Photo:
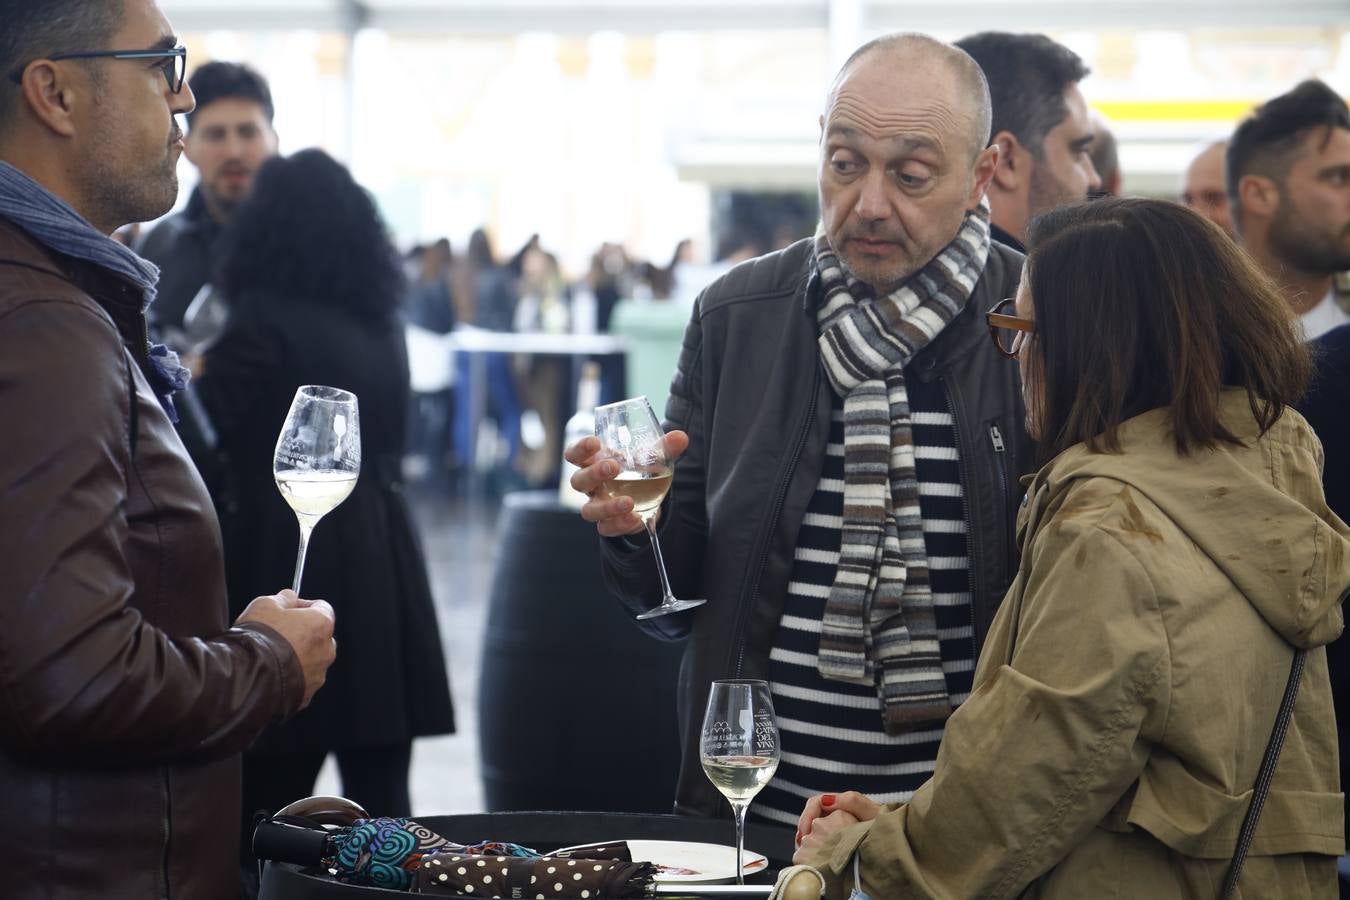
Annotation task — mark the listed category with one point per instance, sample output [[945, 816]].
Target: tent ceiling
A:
[[585, 16]]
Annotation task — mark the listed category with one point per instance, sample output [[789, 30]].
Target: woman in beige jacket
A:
[[1176, 549]]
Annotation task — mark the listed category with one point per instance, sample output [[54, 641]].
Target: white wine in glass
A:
[[630, 433], [318, 458], [739, 747]]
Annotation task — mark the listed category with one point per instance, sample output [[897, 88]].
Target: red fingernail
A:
[[827, 800]]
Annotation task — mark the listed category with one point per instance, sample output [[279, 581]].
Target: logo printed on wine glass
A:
[[766, 733]]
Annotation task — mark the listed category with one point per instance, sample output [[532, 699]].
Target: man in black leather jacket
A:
[[904, 164]]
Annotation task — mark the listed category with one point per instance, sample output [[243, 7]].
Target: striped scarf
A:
[[880, 626]]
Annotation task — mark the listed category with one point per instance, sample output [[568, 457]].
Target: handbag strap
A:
[[1265, 776]]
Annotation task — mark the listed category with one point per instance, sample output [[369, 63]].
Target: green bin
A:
[[654, 329]]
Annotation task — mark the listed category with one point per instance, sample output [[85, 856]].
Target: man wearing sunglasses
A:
[[125, 694]]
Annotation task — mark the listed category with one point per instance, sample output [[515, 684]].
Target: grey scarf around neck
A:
[[56, 225]]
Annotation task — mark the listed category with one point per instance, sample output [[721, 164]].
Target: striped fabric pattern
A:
[[832, 733], [879, 626]]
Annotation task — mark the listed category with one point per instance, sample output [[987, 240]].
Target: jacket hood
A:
[[1256, 510]]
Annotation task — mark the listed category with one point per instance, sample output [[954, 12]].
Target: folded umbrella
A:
[[401, 854]]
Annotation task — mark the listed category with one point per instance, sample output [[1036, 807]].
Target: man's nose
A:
[[1094, 177], [873, 200], [182, 102]]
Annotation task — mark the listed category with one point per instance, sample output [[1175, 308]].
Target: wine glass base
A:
[[675, 606]]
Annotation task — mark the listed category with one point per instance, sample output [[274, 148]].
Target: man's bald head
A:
[[924, 57], [1204, 188]]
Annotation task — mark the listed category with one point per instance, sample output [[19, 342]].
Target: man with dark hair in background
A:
[[1203, 188], [1041, 127], [125, 694], [1288, 180], [1288, 174], [229, 137]]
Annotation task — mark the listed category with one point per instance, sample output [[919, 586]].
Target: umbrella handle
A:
[[282, 842]]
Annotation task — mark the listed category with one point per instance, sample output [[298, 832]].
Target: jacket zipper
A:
[[996, 437], [780, 496], [972, 532]]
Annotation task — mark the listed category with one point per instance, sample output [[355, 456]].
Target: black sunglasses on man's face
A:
[[174, 67]]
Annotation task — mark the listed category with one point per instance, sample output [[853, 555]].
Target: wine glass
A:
[[739, 747], [318, 457], [630, 433]]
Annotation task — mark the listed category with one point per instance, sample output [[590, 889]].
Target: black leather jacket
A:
[[751, 393]]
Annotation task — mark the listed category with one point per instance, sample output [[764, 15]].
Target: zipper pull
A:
[[997, 437]]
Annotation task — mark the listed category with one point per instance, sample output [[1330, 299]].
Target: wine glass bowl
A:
[[630, 434], [739, 747], [317, 458]]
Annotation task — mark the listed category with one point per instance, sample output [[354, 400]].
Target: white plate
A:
[[699, 863]]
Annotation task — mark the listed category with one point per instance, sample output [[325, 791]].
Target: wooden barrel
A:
[[576, 706]]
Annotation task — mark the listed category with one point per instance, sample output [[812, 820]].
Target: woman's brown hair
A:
[[1143, 304]]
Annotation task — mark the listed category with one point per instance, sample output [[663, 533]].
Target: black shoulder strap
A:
[[1265, 776]]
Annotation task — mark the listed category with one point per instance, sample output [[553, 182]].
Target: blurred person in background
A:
[[125, 693], [1288, 179], [1041, 127], [543, 305], [773, 407], [485, 294], [1177, 551], [1204, 189], [1105, 159], [229, 137], [314, 285], [430, 305]]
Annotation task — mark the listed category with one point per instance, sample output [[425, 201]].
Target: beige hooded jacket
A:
[[1129, 685]]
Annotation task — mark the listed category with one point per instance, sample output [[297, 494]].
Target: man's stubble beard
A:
[[119, 197], [1047, 192], [1305, 249]]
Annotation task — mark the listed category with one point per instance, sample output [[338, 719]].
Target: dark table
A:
[[545, 831]]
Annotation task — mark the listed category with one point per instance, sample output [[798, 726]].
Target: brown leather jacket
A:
[[124, 694]]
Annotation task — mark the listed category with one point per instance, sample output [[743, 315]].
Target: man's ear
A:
[[52, 96], [986, 164], [1258, 195], [1013, 162]]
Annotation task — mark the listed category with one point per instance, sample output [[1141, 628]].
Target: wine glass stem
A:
[[305, 529], [738, 810], [650, 522]]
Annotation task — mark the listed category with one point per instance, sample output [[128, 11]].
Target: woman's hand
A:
[[809, 846], [827, 813]]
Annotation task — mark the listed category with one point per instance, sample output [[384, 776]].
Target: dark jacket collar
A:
[[1004, 237]]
